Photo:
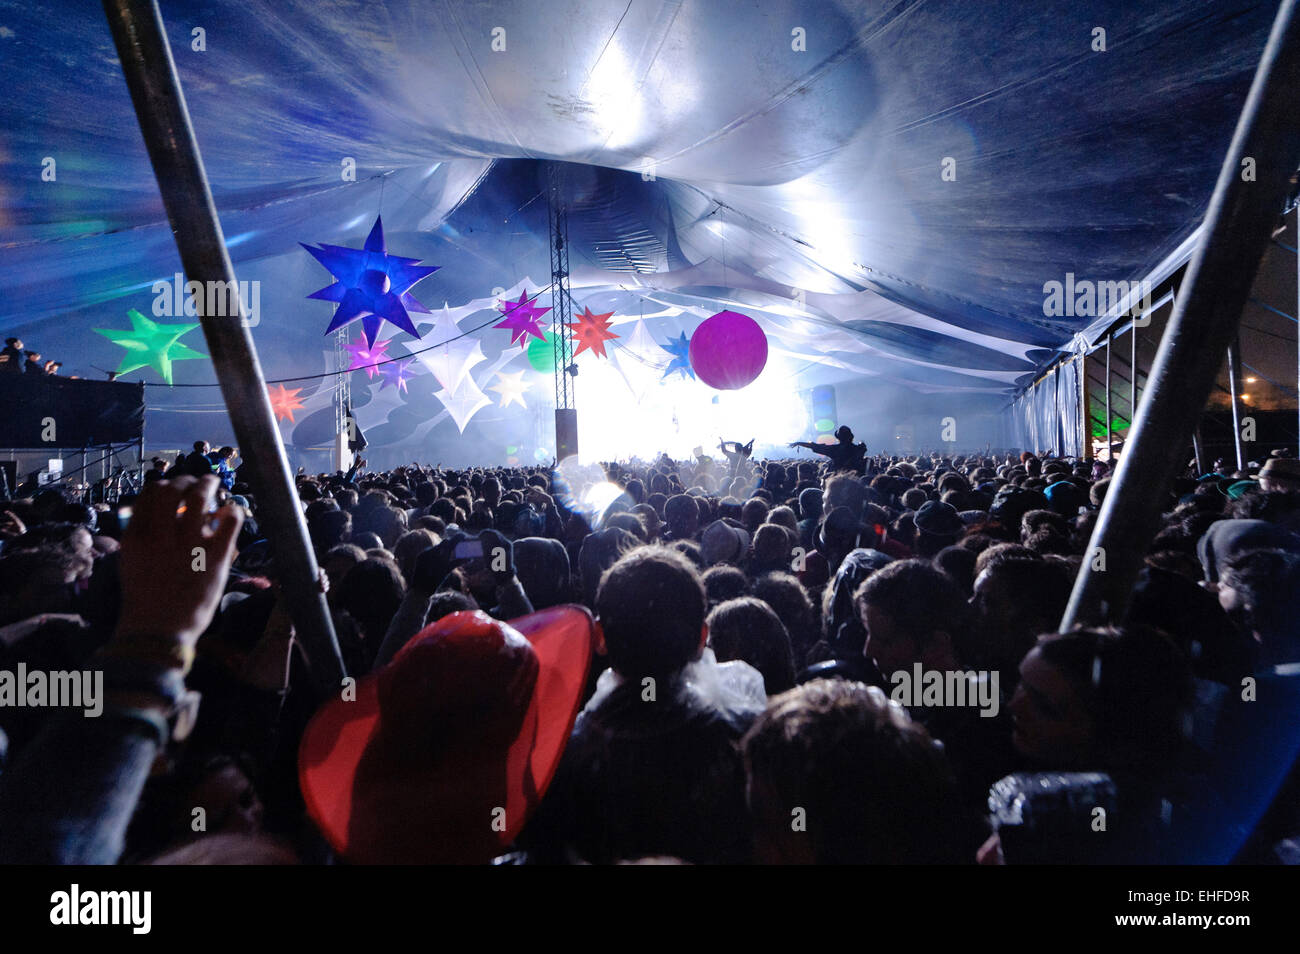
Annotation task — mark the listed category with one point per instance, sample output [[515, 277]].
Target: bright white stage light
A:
[[634, 414], [599, 496]]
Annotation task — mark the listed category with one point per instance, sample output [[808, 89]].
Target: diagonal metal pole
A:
[[160, 108], [1237, 228]]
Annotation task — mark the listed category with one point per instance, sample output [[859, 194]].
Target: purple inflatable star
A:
[[521, 318], [370, 284], [365, 356], [680, 349], [395, 373]]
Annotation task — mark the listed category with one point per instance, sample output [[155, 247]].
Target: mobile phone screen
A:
[[468, 550]]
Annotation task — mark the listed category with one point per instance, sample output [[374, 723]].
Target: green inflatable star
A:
[[149, 344]]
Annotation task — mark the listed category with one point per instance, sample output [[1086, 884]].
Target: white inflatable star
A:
[[511, 387]]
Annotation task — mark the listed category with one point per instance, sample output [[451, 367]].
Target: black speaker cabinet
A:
[[566, 433]]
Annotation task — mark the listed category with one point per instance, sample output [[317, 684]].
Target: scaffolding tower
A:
[[342, 401], [566, 401]]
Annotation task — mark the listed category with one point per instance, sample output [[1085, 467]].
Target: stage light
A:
[[636, 414], [597, 498]]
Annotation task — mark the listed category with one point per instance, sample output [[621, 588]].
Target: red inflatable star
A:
[[521, 318], [284, 401], [592, 331]]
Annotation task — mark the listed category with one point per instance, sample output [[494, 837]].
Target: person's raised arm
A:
[[72, 791], [512, 600], [547, 505], [815, 448], [431, 568]]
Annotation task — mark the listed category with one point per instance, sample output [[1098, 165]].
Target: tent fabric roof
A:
[[719, 166]]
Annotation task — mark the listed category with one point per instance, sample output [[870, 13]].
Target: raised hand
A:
[[176, 555], [499, 554], [10, 525]]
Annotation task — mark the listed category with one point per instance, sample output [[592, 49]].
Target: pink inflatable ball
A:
[[728, 351]]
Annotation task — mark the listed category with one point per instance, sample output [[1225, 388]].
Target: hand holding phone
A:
[[470, 548]]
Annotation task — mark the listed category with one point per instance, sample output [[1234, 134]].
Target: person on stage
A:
[[844, 455]]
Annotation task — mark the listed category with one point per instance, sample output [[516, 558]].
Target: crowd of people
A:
[[200, 462], [14, 360], [698, 661]]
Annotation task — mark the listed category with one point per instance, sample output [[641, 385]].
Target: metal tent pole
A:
[[1234, 386], [160, 108], [1110, 434], [1218, 281], [1133, 379], [1057, 424], [1085, 417], [144, 410]]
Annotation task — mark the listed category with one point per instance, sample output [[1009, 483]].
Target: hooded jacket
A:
[[655, 778]]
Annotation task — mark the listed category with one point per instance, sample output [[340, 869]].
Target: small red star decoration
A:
[[284, 401], [592, 331]]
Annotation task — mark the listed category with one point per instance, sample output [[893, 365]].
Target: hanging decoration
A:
[[522, 318], [451, 360], [284, 401], [728, 351], [592, 331], [396, 373], [641, 346], [639, 361], [462, 405], [370, 285], [511, 387], [151, 345], [366, 356], [680, 349], [541, 354]]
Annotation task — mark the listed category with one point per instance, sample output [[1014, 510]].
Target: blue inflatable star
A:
[[680, 349], [370, 284]]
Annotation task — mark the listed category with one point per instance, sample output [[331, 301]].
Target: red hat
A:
[[446, 751]]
